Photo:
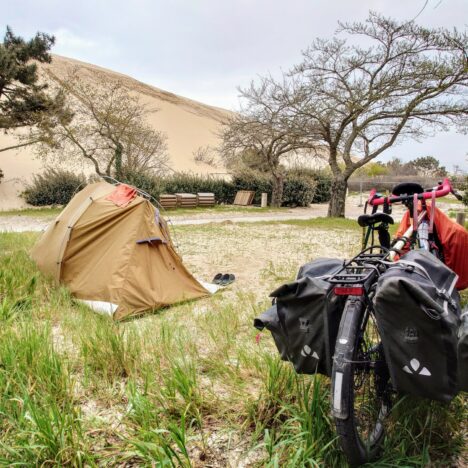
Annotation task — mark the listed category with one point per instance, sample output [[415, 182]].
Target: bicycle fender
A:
[[345, 342]]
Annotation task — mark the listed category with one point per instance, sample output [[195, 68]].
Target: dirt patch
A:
[[259, 253]]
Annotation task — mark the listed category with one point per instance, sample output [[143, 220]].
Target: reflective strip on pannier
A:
[[417, 309], [305, 318]]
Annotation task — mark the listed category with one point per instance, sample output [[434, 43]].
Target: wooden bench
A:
[[206, 199], [186, 200], [167, 200]]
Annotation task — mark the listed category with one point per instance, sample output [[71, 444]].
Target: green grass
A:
[[190, 385], [33, 212], [452, 212], [223, 209], [217, 209], [324, 223], [451, 201]]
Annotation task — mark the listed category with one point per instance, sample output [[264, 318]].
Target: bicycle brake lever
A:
[[457, 195]]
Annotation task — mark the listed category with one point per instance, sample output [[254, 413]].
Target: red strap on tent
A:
[[415, 212], [431, 221], [122, 195]]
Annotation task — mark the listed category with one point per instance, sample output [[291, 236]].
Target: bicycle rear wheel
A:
[[360, 381]]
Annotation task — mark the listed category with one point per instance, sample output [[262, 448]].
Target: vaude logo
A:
[[307, 352], [416, 368], [411, 335], [304, 324]]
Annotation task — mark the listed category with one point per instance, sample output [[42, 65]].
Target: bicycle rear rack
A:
[[363, 268]]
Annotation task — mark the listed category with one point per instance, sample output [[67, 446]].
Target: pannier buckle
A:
[[450, 301]]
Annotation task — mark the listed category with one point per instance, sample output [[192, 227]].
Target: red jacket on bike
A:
[[454, 240]]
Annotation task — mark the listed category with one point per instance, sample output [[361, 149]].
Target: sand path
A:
[[23, 223]]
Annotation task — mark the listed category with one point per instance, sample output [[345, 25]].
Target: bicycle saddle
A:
[[407, 188], [371, 219]]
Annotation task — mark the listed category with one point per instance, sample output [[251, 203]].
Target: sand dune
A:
[[188, 125]]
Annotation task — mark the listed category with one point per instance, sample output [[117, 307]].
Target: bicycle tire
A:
[[348, 364]]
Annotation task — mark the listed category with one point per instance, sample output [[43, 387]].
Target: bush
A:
[[180, 183], [188, 183], [53, 187], [464, 186], [57, 187], [321, 179], [298, 190], [255, 181], [142, 180], [323, 182]]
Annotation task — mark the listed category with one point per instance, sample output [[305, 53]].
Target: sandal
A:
[[217, 278], [227, 279]]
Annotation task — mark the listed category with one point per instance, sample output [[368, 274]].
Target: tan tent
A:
[[111, 245]]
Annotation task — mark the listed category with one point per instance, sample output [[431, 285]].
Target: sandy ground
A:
[[257, 254], [21, 223]]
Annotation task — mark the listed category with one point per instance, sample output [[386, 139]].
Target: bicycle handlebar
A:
[[443, 189]]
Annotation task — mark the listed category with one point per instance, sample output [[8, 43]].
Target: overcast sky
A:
[[205, 49]]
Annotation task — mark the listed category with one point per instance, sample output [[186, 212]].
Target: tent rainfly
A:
[[111, 247]]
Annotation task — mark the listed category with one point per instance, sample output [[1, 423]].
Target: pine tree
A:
[[24, 101]]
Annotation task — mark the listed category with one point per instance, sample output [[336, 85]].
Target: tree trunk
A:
[[118, 161], [277, 195], [336, 208]]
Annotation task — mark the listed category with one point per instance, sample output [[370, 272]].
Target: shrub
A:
[[142, 180], [181, 182], [255, 181], [53, 187], [464, 187], [298, 190], [322, 180], [189, 183]]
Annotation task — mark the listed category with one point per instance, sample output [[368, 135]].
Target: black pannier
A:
[[305, 317], [462, 352], [417, 309]]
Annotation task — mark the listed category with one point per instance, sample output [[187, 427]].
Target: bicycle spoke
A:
[[367, 401]]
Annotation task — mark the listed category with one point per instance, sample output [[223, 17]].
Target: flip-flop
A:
[[227, 279], [217, 278]]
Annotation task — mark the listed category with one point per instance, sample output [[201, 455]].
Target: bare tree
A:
[[262, 129], [106, 126], [146, 150], [357, 101]]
